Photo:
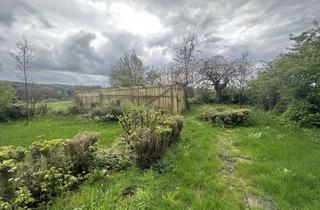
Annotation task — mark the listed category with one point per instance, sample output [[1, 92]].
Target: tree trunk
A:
[[218, 94], [240, 98], [185, 89], [26, 91]]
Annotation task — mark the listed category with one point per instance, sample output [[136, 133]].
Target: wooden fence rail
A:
[[167, 97]]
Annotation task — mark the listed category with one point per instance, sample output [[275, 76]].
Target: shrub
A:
[[42, 109], [106, 113], [32, 178], [303, 113], [12, 111], [225, 116], [74, 109], [149, 133], [117, 157]]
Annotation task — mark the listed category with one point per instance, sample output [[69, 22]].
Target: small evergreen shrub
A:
[[226, 117], [149, 133]]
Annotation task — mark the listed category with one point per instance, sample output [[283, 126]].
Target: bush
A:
[[149, 133], [74, 109], [117, 157], [13, 111], [42, 109], [224, 116], [32, 178], [303, 113], [106, 113]]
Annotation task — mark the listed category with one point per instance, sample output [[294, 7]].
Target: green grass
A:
[[19, 134], [283, 168], [59, 105]]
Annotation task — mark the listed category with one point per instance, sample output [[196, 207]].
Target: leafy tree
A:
[[127, 71], [217, 72], [293, 78], [153, 77], [7, 96]]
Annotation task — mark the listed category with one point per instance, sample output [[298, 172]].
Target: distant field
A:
[[18, 134], [59, 105]]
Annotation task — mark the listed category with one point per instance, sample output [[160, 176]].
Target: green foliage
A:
[[32, 178], [118, 156], [224, 116], [304, 113], [74, 109], [292, 80], [8, 108], [107, 113], [7, 96], [42, 109], [149, 133]]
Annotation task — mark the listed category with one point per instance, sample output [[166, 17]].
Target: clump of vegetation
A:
[[303, 113], [225, 116], [33, 178], [118, 156], [106, 113], [149, 133]]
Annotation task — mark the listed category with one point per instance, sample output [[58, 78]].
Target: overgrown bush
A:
[[149, 133], [42, 109], [117, 157], [12, 111], [226, 117], [106, 113], [74, 109], [29, 179], [303, 113]]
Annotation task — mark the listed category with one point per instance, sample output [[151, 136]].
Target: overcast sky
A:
[[76, 40]]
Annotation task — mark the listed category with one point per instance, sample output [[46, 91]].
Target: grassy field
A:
[[263, 166], [19, 134], [59, 105]]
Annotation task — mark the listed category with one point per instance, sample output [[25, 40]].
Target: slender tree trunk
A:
[[240, 99], [185, 89], [240, 96], [26, 90]]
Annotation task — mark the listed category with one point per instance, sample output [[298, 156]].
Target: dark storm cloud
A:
[[79, 37]]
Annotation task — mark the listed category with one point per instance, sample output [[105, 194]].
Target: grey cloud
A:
[[226, 27], [13, 10]]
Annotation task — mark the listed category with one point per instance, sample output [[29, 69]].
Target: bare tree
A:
[[186, 59], [243, 73], [23, 55], [217, 72]]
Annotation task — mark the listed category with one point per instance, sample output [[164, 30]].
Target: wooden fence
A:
[[167, 97]]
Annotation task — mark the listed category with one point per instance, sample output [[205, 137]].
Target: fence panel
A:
[[167, 97]]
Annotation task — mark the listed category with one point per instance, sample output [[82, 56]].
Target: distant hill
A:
[[49, 92]]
